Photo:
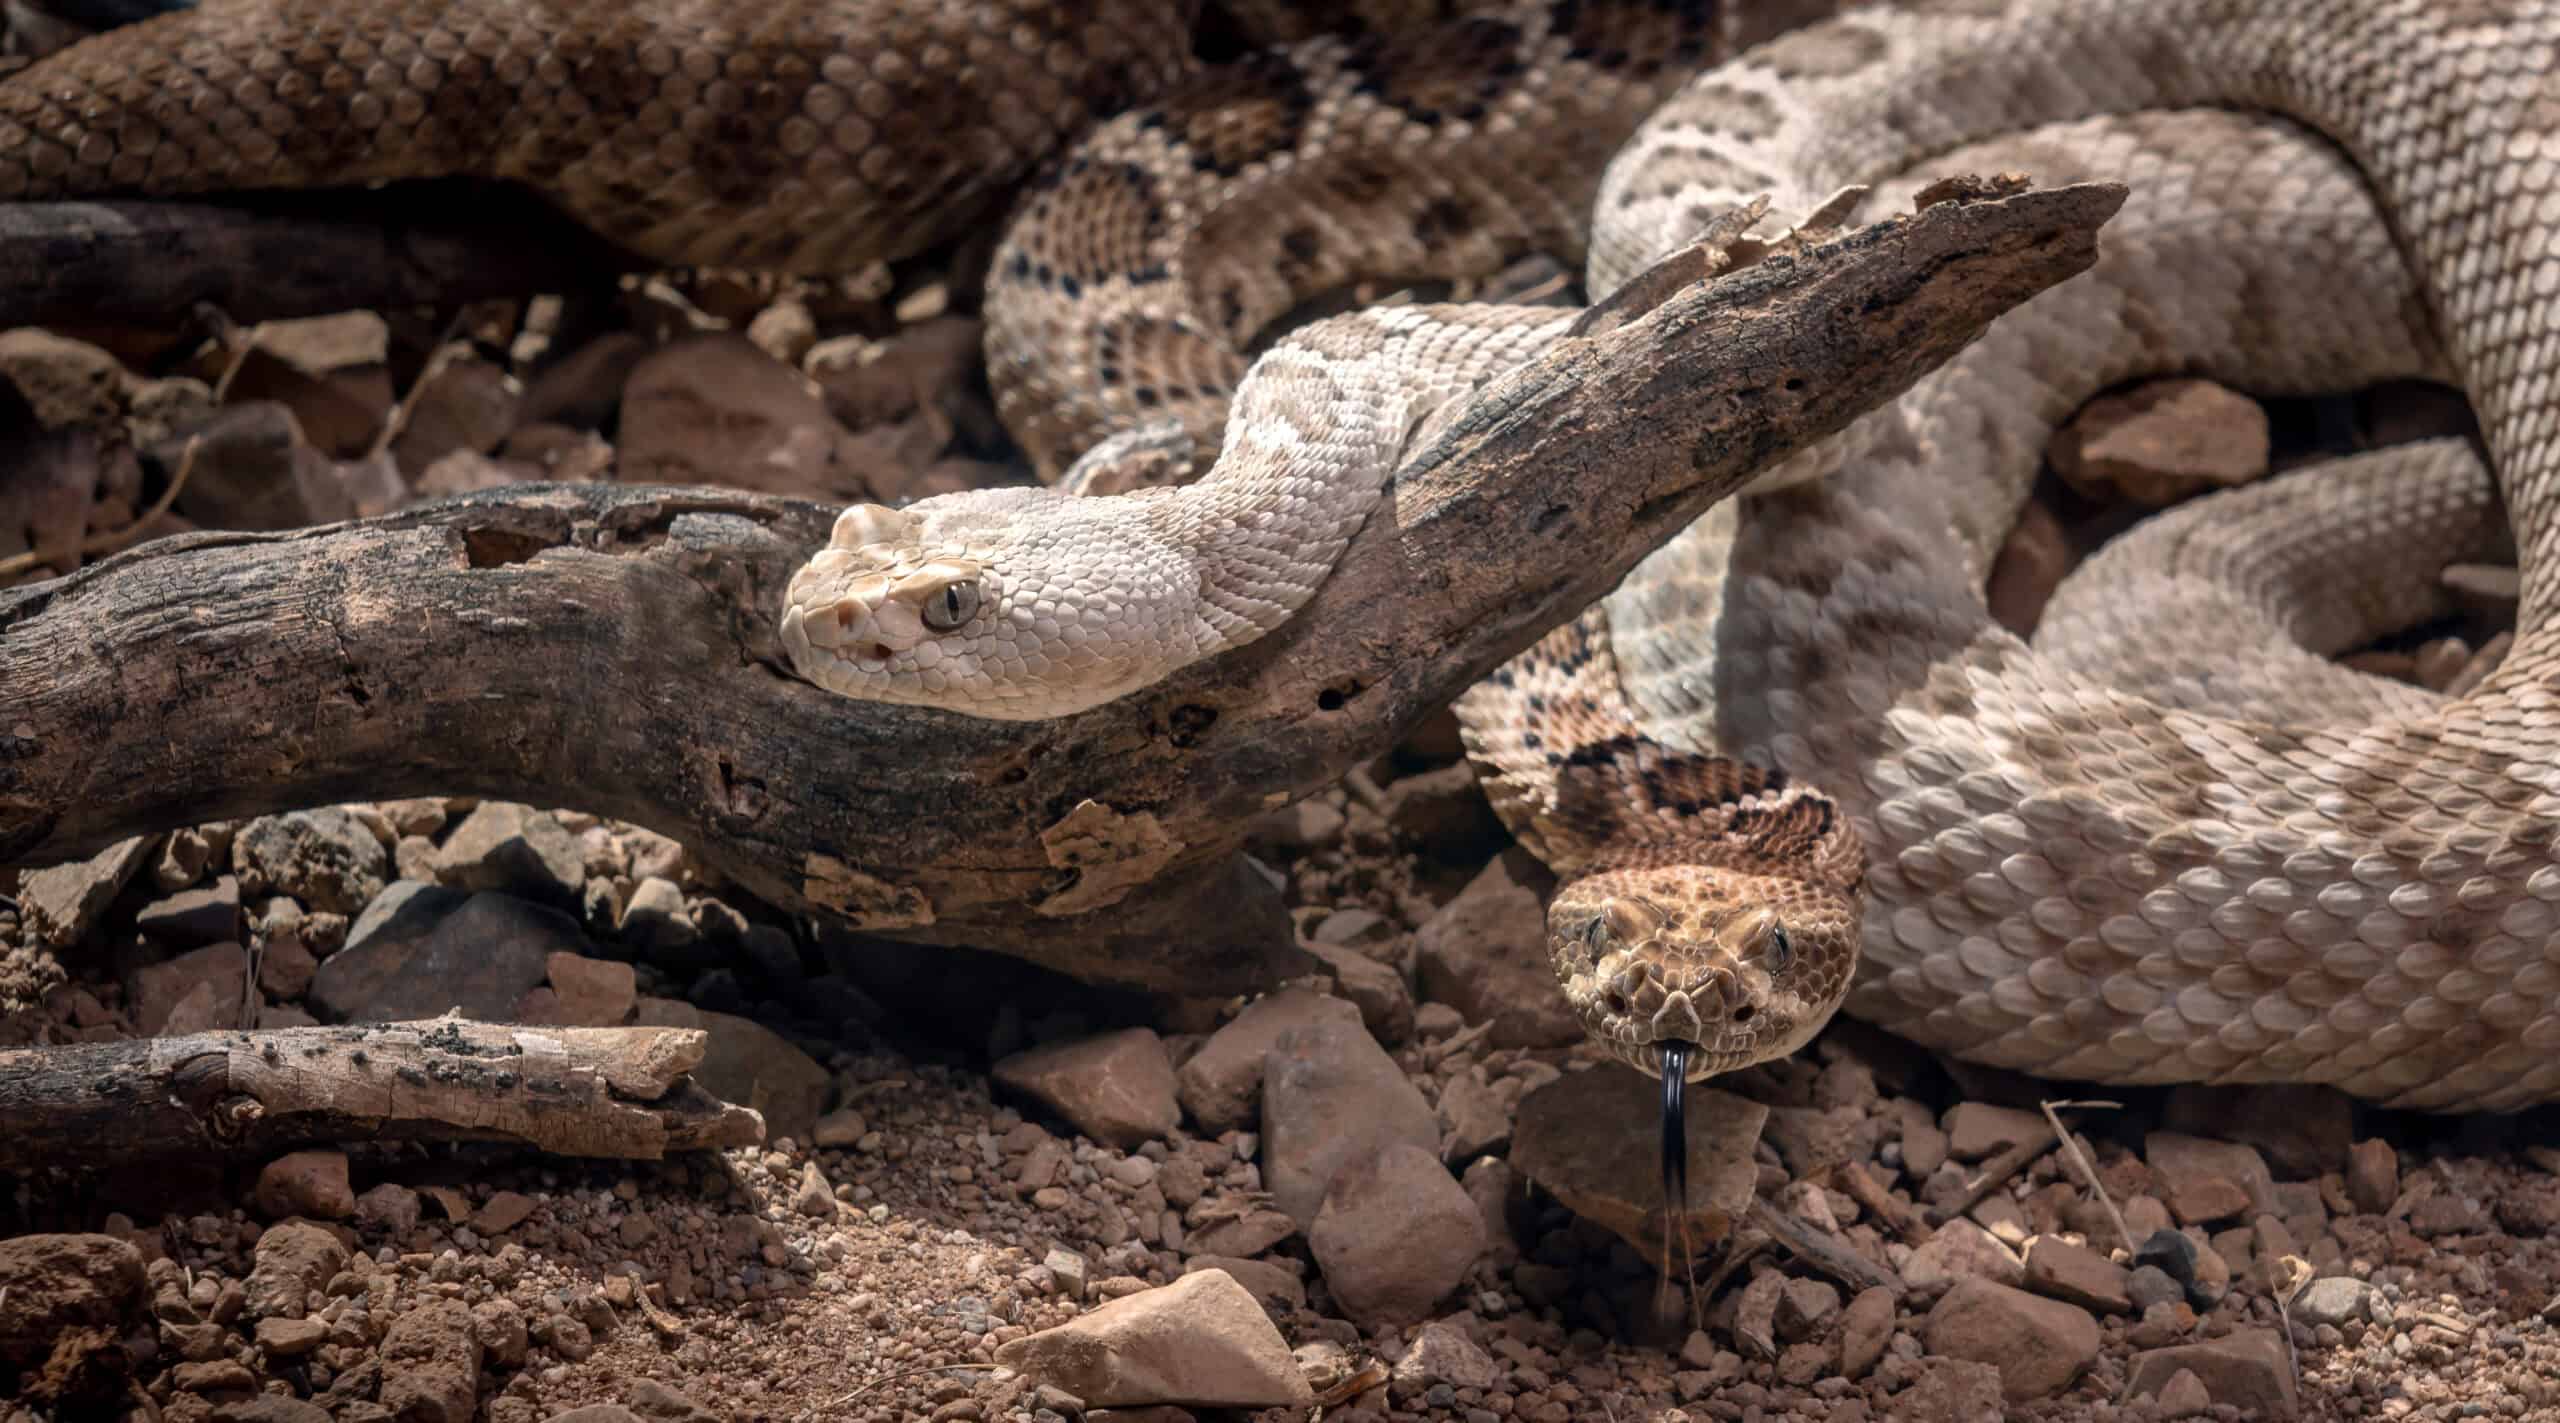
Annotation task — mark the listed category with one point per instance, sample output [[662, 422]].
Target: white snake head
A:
[[1736, 967], [1011, 604]]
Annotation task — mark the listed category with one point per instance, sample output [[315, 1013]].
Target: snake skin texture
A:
[[2078, 864], [2067, 876]]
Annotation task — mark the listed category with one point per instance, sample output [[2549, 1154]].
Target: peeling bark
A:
[[612, 647], [612, 1092]]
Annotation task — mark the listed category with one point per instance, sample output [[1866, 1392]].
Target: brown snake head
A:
[[1740, 963]]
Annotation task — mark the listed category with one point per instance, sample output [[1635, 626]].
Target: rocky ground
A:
[[1400, 1188]]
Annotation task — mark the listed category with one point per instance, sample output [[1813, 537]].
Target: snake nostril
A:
[[879, 652], [1617, 1004], [1742, 1014]]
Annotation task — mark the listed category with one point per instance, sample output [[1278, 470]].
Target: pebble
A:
[[2246, 1369], [1201, 1341], [1485, 955], [305, 1183], [2039, 1345], [1117, 1088], [1331, 1096], [1395, 1235], [1221, 1084]]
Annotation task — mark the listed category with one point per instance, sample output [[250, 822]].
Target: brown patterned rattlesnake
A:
[[2069, 869]]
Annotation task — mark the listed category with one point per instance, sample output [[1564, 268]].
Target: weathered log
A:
[[266, 256], [612, 647], [617, 1092]]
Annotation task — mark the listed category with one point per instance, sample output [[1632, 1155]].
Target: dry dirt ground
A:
[[1397, 1189]]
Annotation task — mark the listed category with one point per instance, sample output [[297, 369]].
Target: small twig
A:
[[1824, 1250], [109, 540], [2089, 1173], [1871, 1195], [1995, 1173]]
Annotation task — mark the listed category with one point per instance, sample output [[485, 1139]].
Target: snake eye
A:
[[953, 606], [1595, 933], [1782, 950]]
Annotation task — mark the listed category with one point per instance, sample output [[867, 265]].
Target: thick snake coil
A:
[[2108, 855]]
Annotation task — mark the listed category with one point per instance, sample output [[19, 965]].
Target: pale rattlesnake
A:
[[2064, 876]]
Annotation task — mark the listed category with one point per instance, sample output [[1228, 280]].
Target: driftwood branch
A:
[[622, 1092], [612, 647], [270, 256]]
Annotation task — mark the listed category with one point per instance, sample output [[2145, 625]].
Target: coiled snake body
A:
[[1793, 743]]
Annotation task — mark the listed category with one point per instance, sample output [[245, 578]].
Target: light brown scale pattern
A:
[[814, 135], [1133, 283], [2070, 875], [2065, 874]]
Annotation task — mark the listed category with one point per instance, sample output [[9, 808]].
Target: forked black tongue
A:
[[1675, 1130]]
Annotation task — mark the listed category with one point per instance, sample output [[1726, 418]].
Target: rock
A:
[[431, 1364], [2057, 1268], [752, 1065], [1444, 810], [291, 1338], [1473, 1119], [306, 1183], [2207, 1181], [1376, 989], [66, 1304], [295, 1261], [2039, 1345], [1592, 1139], [2337, 1300], [1977, 1130], [1067, 1267], [2184, 1396], [157, 989], [1805, 1307], [2373, 1175], [1755, 1316], [513, 849], [1441, 1353], [2147, 1285], [436, 949], [1117, 1088], [203, 1010], [2299, 1131], [270, 1408], [389, 1208], [1201, 1341], [1865, 1327], [843, 1127], [2162, 441], [2245, 1369], [1485, 954], [466, 405], [814, 1197], [656, 923], [207, 914], [658, 1403], [326, 859], [2032, 562], [61, 903], [1247, 1234], [1952, 1391], [715, 408], [1924, 1144], [502, 1212], [596, 993], [1395, 1235], [1221, 1084], [1962, 1250], [1331, 1095], [1279, 1288]]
